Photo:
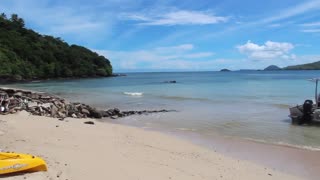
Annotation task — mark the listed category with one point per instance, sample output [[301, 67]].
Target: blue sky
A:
[[186, 35]]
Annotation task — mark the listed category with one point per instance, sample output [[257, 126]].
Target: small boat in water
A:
[[15, 162], [308, 112]]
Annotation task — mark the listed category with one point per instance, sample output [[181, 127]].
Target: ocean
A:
[[251, 105]]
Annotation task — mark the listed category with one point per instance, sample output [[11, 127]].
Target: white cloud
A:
[[270, 50], [274, 25], [311, 30], [179, 48], [180, 17], [311, 24], [171, 57]]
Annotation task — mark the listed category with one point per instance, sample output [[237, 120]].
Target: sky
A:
[[181, 35]]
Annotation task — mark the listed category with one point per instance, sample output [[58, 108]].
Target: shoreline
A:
[[74, 150], [288, 159], [238, 148]]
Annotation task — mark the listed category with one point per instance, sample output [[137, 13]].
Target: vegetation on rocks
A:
[[26, 55]]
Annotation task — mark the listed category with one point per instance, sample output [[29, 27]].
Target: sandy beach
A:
[[74, 150]]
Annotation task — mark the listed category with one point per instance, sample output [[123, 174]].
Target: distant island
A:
[[224, 70], [272, 68], [28, 55], [308, 66]]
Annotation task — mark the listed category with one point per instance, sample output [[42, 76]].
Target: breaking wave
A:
[[133, 93]]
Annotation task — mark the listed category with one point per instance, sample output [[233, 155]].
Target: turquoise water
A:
[[250, 105]]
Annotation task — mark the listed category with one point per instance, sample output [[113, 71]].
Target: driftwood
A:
[[44, 104]]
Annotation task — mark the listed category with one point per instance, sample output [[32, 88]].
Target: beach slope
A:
[[74, 150]]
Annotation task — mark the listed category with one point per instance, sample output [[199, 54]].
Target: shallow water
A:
[[251, 105]]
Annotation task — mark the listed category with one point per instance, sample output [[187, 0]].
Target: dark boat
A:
[[309, 111]]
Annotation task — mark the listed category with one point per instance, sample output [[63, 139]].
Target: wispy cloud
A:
[[311, 27], [311, 24], [311, 30], [178, 17], [268, 51], [294, 11], [171, 57]]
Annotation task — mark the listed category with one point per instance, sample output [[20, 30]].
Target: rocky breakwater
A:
[[44, 104]]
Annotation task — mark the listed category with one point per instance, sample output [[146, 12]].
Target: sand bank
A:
[[74, 150]]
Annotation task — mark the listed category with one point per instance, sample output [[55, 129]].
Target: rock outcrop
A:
[[44, 104]]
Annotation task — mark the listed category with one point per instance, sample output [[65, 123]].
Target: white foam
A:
[[311, 148], [133, 93]]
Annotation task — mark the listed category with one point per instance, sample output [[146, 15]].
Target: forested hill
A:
[[27, 55], [309, 66]]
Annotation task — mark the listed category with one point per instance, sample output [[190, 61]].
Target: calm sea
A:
[[245, 104]]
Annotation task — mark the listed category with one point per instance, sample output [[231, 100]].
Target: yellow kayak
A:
[[14, 162]]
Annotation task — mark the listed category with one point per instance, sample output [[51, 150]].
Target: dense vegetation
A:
[[309, 66], [26, 55]]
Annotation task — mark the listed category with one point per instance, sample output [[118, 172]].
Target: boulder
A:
[[18, 94], [54, 110], [85, 111], [95, 113]]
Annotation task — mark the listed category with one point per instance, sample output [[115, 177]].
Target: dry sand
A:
[[77, 151]]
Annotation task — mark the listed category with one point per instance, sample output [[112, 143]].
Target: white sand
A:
[[77, 151]]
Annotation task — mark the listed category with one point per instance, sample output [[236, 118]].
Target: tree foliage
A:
[[25, 54]]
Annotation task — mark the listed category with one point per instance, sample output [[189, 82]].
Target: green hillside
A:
[[26, 55], [309, 66]]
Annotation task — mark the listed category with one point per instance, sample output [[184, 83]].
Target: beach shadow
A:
[[14, 174]]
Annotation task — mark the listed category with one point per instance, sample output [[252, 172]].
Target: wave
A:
[[285, 144], [133, 93], [182, 98]]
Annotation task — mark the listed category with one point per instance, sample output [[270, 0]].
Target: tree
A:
[[25, 54]]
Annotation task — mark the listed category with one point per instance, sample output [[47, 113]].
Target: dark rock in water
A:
[[89, 122], [118, 75], [272, 68], [171, 82], [224, 70]]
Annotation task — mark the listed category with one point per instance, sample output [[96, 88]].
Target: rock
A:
[[89, 122], [113, 117], [85, 111], [95, 113], [105, 113], [116, 111], [19, 94], [172, 82], [45, 97], [32, 104], [61, 115], [46, 105], [54, 110]]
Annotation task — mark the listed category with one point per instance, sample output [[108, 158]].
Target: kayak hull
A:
[[15, 162]]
